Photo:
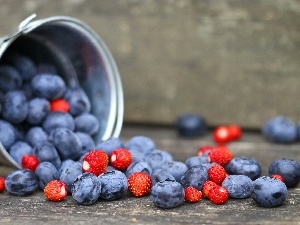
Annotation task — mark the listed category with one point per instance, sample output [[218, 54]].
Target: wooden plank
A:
[[230, 61]]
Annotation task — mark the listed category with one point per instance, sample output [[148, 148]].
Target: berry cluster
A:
[[112, 169], [41, 118], [47, 129]]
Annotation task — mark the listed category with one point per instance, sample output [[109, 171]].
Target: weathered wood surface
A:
[[35, 209], [229, 60]]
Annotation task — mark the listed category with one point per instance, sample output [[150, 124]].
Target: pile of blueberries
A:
[[60, 140]]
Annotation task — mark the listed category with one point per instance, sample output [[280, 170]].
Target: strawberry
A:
[[205, 149], [218, 195], [95, 161], [120, 159], [2, 184], [220, 154], [235, 132], [221, 135], [217, 173], [278, 176], [59, 105], [29, 162], [139, 184], [192, 195], [55, 191], [207, 186]]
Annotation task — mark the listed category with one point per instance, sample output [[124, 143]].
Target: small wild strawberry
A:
[[192, 195], [220, 154], [235, 132], [217, 173], [95, 161], [2, 184], [278, 176], [221, 135], [203, 150], [139, 184], [29, 162], [55, 191], [59, 105], [218, 195], [207, 186], [120, 159]]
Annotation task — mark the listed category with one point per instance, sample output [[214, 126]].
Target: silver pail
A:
[[82, 58]]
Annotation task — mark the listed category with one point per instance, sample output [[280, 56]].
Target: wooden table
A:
[[35, 209]]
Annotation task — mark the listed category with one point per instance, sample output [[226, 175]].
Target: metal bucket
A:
[[81, 57]]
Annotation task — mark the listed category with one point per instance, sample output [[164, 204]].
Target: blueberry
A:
[[191, 125], [176, 168], [64, 164], [38, 109], [158, 158], [138, 167], [244, 166], [269, 192], [289, 170], [24, 65], [20, 130], [142, 144], [113, 185], [167, 194], [87, 142], [137, 156], [86, 189], [36, 135], [46, 68], [49, 86], [69, 173], [46, 152], [238, 186], [21, 182], [58, 119], [280, 129], [196, 161], [15, 107], [195, 176], [10, 79], [46, 172], [160, 174], [20, 149], [78, 100], [67, 143], [86, 123], [110, 145], [7, 134]]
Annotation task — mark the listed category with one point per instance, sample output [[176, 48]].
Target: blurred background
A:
[[231, 61]]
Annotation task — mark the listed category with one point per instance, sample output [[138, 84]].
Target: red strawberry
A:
[[95, 161], [59, 105], [29, 162], [207, 186], [235, 132], [217, 173], [192, 195], [120, 159], [205, 149], [220, 154], [2, 184], [55, 191], [221, 135], [278, 176], [139, 184], [218, 195]]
